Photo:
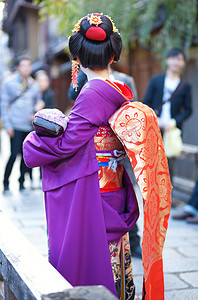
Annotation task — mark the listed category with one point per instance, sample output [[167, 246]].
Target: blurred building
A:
[[5, 53], [5, 56], [27, 36]]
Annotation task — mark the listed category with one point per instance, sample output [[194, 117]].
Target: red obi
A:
[[109, 153]]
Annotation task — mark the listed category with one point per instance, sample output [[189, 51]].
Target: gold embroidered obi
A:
[[109, 153]]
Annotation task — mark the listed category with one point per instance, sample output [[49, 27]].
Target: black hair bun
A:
[[95, 41]]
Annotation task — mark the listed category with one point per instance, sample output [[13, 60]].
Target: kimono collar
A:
[[122, 88], [114, 92]]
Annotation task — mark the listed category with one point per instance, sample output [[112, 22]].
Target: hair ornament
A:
[[75, 71], [96, 33], [114, 27], [94, 19], [77, 26]]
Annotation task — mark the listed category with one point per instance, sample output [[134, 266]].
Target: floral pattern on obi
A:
[[105, 142]]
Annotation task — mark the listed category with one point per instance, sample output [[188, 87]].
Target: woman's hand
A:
[[170, 125], [10, 132], [39, 105]]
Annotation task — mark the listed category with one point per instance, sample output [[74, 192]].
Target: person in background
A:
[[128, 80], [43, 81], [190, 210], [73, 93], [20, 97], [114, 75], [136, 250], [170, 96]]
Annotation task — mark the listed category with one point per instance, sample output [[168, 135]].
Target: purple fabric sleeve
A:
[[65, 158], [46, 150], [90, 111]]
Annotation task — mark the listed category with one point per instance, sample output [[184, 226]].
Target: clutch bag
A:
[[50, 122]]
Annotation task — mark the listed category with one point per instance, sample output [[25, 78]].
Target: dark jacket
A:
[[48, 98], [72, 94], [181, 107]]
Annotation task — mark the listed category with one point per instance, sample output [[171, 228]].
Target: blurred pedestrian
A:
[[114, 75], [170, 96], [43, 81], [128, 80], [19, 97], [190, 210], [72, 92]]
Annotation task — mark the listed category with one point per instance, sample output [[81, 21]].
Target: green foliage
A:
[[135, 19], [180, 26]]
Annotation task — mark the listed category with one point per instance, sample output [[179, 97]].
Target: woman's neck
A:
[[96, 73]]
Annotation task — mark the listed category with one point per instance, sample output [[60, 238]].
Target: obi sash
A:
[[109, 154], [136, 126]]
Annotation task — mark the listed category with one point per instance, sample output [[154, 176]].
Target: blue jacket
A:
[[16, 113]]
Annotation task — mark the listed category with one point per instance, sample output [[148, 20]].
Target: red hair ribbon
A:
[[96, 33]]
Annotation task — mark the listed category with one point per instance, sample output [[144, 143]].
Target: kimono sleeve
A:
[[40, 151]]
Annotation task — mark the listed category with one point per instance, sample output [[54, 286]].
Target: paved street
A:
[[181, 247]]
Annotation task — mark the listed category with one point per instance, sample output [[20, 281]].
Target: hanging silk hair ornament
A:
[[75, 71]]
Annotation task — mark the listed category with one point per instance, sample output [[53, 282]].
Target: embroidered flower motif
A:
[[153, 208], [143, 181], [130, 127], [95, 19], [149, 153], [164, 189]]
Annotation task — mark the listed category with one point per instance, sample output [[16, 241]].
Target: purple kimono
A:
[[81, 221]]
